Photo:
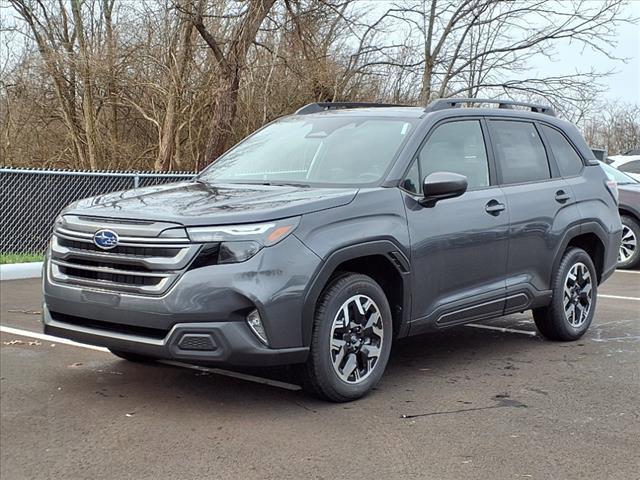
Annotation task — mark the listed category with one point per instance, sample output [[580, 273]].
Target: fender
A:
[[585, 227], [379, 247]]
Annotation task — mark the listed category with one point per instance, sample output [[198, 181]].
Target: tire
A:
[[329, 372], [629, 256], [132, 357], [580, 296]]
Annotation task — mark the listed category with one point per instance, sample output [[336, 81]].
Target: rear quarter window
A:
[[568, 160]]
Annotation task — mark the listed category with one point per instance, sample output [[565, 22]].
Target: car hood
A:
[[197, 203]]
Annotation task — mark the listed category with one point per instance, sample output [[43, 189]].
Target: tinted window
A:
[[520, 151], [631, 167], [457, 147], [412, 182], [568, 160]]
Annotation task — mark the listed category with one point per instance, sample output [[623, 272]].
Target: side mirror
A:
[[440, 185]]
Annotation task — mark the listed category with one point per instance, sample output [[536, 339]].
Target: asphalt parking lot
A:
[[472, 402]]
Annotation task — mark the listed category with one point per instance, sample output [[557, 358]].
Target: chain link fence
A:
[[30, 200]]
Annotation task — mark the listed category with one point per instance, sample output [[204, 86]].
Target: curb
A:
[[17, 271]]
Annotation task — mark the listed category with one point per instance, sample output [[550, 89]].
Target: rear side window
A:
[[569, 162], [519, 151], [457, 147], [630, 167]]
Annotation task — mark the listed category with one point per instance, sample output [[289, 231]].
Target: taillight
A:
[[612, 186]]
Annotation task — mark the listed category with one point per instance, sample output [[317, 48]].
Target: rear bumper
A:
[[611, 255], [218, 343]]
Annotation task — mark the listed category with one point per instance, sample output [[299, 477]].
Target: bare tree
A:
[[170, 84], [230, 55]]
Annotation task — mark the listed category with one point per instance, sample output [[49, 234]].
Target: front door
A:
[[459, 246]]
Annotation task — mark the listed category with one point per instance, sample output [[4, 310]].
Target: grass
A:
[[20, 257]]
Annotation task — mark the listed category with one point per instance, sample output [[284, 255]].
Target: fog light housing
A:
[[255, 323]]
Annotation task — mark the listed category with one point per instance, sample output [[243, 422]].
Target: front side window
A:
[[457, 147], [329, 149], [412, 182], [519, 151], [569, 162]]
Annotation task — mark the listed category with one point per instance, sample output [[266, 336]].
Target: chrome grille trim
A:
[[157, 289], [125, 241], [177, 262], [145, 265], [100, 269]]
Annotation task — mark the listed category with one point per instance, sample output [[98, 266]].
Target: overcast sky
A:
[[624, 85]]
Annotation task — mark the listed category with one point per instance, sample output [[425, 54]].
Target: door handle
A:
[[494, 207], [562, 196]]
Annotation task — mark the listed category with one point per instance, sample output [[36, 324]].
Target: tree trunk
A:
[[168, 132], [429, 22], [223, 115], [88, 110], [111, 82]]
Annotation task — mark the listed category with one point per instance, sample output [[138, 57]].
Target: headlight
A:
[[238, 243], [266, 234]]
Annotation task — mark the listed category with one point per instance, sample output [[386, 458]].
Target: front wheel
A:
[[351, 339], [573, 305]]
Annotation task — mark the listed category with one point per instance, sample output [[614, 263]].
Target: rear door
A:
[[458, 246], [537, 200]]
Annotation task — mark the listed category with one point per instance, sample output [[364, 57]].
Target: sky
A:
[[624, 84]]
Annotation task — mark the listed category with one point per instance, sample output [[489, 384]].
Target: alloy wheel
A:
[[356, 339], [628, 245], [577, 299]]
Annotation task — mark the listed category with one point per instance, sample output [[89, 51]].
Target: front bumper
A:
[[207, 305], [227, 343]]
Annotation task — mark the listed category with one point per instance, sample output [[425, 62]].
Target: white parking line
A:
[[49, 338], [617, 297], [217, 371], [502, 329], [628, 271]]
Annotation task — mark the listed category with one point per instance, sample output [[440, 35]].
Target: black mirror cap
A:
[[441, 185]]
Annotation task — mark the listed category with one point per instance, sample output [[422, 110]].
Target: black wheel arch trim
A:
[[575, 231], [322, 275]]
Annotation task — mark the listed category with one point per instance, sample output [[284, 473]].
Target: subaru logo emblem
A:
[[106, 239]]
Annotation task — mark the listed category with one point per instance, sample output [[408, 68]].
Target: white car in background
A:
[[628, 163]]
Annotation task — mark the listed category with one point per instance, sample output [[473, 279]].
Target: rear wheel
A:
[[573, 303], [351, 339], [132, 357], [629, 254]]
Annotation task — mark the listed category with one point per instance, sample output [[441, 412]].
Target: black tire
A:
[[633, 227], [552, 322], [132, 357], [319, 374]]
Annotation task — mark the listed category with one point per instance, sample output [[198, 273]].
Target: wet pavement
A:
[[470, 402]]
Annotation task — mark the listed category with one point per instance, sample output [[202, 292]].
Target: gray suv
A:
[[328, 234]]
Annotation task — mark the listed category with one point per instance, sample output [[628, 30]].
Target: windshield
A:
[[615, 174], [328, 149]]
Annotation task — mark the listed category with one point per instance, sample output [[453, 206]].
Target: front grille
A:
[[109, 277], [120, 250], [145, 262], [110, 326]]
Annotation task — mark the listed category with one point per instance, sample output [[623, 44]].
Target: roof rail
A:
[[324, 106], [444, 103]]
